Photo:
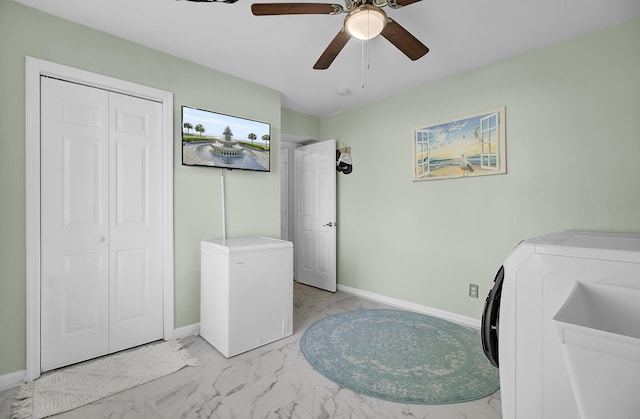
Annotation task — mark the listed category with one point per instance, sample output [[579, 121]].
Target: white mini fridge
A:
[[246, 298]]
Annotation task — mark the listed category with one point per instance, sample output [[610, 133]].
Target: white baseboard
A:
[[13, 379], [188, 330], [453, 317]]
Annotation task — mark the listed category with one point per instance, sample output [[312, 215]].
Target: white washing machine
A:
[[520, 335]]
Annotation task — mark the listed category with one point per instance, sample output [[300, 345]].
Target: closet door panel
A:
[[74, 223], [135, 221]]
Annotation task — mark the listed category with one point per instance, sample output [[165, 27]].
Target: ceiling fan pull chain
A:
[[368, 37], [368, 66], [362, 66]]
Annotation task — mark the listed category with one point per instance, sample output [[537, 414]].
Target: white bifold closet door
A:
[[101, 254]]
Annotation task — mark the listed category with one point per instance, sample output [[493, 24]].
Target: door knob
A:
[[101, 239], [329, 224]]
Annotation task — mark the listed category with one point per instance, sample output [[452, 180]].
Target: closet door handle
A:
[[329, 224], [101, 239]]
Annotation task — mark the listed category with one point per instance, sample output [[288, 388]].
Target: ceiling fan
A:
[[365, 19]]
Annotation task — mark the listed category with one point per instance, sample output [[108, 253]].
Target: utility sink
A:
[[599, 330]]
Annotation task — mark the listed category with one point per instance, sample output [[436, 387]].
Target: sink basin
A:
[[599, 329]]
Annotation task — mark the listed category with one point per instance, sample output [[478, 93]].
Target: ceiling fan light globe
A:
[[365, 22]]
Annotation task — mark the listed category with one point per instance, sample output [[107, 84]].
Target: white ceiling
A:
[[279, 51]]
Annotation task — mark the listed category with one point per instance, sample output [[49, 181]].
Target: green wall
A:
[[253, 206], [300, 125], [573, 146]]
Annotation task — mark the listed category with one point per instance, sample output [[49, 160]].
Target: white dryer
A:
[[520, 335]]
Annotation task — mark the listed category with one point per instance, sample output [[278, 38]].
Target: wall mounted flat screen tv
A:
[[216, 140]]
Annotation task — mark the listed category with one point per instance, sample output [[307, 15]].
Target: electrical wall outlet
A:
[[473, 290]]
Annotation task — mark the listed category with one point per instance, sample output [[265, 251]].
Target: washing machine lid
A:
[[589, 244]]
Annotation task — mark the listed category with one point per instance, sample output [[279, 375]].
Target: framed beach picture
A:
[[472, 145]]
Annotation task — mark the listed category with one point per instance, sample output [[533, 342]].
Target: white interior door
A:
[[284, 194], [316, 215], [135, 221], [101, 278]]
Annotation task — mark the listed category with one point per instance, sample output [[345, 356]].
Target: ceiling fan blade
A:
[[402, 3], [332, 50], [269, 9], [404, 41]]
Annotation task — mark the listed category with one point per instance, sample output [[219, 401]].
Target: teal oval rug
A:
[[400, 356]]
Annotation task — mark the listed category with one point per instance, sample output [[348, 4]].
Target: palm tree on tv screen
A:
[[188, 126], [200, 129]]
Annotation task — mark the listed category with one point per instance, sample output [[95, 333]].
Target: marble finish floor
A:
[[273, 381]]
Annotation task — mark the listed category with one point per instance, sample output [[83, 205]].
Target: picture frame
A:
[[468, 146]]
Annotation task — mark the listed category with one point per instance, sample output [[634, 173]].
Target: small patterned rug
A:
[[400, 356], [69, 388]]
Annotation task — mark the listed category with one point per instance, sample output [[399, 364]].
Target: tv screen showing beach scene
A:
[[216, 140]]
